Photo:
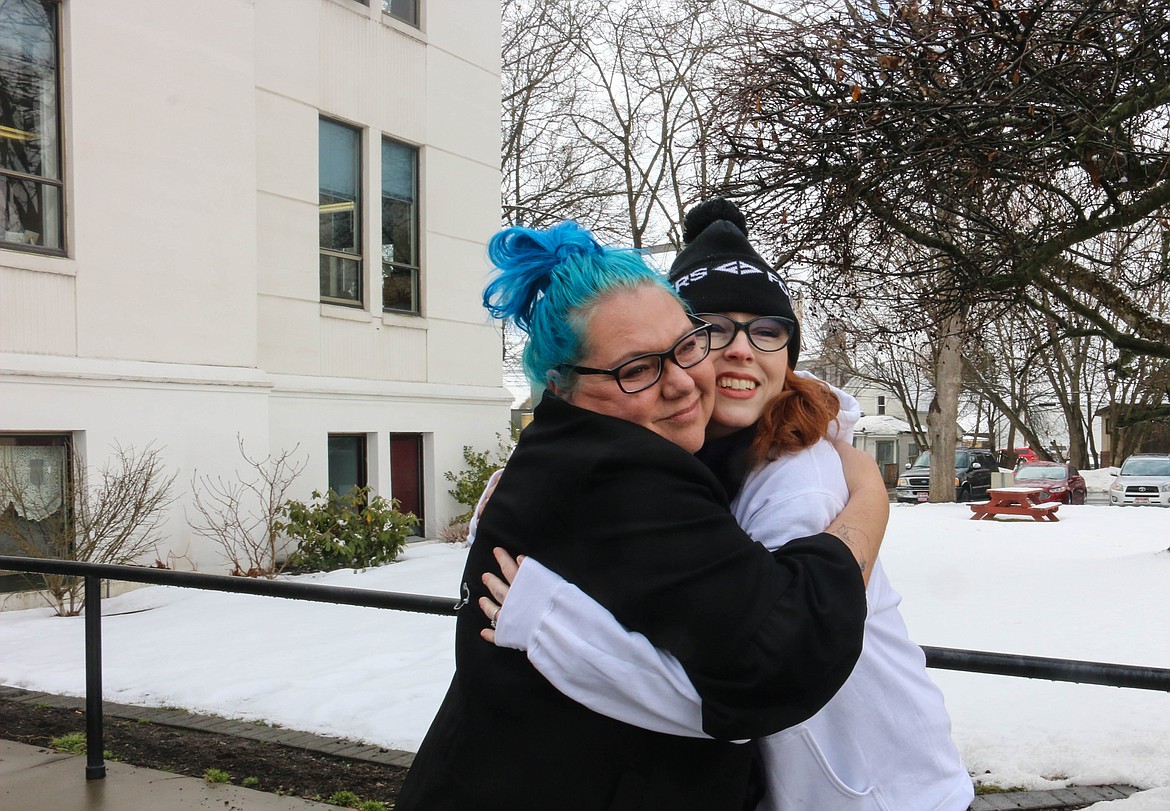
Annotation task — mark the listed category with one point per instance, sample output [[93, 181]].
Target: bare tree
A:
[[607, 111], [998, 139], [113, 515], [959, 154], [242, 515]]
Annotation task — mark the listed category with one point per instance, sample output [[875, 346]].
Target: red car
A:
[[1059, 480], [1010, 457]]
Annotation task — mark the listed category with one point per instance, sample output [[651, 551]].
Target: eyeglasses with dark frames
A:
[[640, 373], [767, 333]]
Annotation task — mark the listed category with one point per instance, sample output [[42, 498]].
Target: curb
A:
[[319, 744], [1063, 799], [1060, 799]]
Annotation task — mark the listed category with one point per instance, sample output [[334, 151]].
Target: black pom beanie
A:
[[720, 271]]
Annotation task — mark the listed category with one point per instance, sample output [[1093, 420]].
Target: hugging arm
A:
[[611, 670], [587, 655], [862, 524]]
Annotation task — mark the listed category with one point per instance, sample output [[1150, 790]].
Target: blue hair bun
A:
[[545, 283], [528, 261]]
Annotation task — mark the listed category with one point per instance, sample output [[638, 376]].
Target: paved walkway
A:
[[34, 778]]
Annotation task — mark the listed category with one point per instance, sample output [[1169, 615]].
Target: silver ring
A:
[[496, 616]]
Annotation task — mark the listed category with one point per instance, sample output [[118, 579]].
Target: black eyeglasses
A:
[[640, 373], [768, 333]]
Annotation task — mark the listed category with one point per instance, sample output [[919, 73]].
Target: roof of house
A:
[[882, 424]]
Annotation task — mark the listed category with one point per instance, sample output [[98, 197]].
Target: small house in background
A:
[[1154, 436], [889, 441]]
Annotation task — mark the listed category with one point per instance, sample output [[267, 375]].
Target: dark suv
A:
[[973, 469]]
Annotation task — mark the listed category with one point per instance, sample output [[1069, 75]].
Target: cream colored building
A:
[[262, 218]]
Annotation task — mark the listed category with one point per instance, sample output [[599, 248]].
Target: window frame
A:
[[416, 8], [357, 216], [42, 439], [363, 461], [414, 270], [41, 180]]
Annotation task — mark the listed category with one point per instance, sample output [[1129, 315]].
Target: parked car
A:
[[1013, 457], [1060, 481], [973, 469], [1144, 479]]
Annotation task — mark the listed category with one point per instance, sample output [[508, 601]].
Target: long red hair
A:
[[795, 419]]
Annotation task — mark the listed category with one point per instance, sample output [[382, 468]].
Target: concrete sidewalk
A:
[[35, 778]]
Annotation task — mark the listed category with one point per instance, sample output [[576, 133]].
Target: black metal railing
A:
[[94, 573], [1002, 664]]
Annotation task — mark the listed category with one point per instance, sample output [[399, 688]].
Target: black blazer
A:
[[644, 528]]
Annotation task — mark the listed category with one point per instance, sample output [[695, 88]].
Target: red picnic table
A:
[[1015, 501]]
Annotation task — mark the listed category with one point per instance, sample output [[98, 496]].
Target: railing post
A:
[[95, 737]]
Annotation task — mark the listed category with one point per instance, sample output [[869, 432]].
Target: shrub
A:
[[470, 482], [242, 515], [217, 776], [455, 532], [351, 531]]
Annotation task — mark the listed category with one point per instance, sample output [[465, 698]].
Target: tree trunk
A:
[[943, 416]]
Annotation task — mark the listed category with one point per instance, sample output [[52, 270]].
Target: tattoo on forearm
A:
[[857, 542]]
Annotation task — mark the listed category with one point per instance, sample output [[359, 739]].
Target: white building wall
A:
[[187, 310]]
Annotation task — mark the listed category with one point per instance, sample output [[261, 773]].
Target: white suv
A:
[[1144, 479]]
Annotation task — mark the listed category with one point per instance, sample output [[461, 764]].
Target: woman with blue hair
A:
[[884, 740], [603, 489]]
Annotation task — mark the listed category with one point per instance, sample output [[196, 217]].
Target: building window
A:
[[347, 462], [404, 10], [884, 452], [31, 190], [340, 210], [881, 404], [34, 493], [400, 263]]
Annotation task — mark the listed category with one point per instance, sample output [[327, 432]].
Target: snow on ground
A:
[[1091, 587]]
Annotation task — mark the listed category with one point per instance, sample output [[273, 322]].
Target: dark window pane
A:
[[28, 90], [398, 232], [405, 10], [340, 278], [399, 288], [31, 213], [400, 257], [347, 462], [339, 225], [34, 492]]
